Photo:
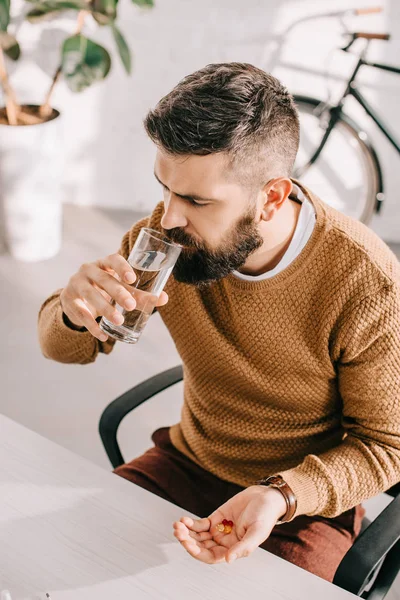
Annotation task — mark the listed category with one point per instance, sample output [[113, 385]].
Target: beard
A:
[[199, 266]]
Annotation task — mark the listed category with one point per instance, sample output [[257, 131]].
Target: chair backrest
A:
[[373, 562], [121, 406]]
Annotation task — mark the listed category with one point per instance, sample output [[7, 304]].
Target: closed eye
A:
[[194, 202], [191, 201]]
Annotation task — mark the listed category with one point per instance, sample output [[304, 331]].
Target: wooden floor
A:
[[64, 402]]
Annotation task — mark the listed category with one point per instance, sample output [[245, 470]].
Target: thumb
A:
[[163, 299], [254, 536]]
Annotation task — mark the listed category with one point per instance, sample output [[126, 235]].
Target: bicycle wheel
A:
[[347, 174]]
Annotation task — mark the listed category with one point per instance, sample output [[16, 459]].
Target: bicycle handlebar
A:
[[349, 11], [368, 11], [355, 35], [338, 14], [367, 35]]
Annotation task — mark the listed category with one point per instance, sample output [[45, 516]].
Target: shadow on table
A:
[[81, 538]]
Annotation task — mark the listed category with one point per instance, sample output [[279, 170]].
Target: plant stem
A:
[[12, 108], [45, 109], [81, 20]]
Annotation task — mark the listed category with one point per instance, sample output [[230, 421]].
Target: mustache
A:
[[180, 237]]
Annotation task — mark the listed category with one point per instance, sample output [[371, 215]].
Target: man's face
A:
[[212, 216]]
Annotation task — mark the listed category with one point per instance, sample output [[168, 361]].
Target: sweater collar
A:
[[301, 261]]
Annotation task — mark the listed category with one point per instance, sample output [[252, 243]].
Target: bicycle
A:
[[353, 153]]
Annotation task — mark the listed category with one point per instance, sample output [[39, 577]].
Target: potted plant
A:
[[30, 157]]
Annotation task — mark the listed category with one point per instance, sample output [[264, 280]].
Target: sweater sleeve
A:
[[367, 461], [60, 342]]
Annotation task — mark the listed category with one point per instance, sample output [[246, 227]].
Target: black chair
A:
[[372, 563]]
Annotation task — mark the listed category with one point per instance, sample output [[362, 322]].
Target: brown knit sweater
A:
[[298, 374]]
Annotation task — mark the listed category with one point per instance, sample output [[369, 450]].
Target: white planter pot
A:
[[31, 189]]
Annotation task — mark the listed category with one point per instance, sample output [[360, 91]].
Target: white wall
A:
[[109, 160]]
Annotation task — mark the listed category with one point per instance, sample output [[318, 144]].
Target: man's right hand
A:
[[89, 293]]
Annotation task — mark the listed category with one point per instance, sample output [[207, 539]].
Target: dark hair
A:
[[234, 108]]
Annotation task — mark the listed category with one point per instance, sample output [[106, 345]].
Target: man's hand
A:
[[94, 289], [254, 513]]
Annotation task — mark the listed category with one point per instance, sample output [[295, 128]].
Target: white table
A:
[[76, 531]]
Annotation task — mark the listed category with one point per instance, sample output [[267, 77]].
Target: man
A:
[[286, 315]]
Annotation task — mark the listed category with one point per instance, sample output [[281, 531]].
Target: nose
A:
[[173, 214]]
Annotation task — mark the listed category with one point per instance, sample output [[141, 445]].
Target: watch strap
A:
[[280, 484]]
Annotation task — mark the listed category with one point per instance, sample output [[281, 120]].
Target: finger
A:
[[96, 300], [80, 313], [197, 525], [187, 538], [201, 537], [208, 551], [113, 273], [120, 292], [255, 535], [163, 299], [194, 550], [182, 532], [218, 515], [145, 301], [102, 292], [120, 265], [209, 544], [214, 555]]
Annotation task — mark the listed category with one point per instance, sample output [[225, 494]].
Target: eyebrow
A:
[[187, 196]]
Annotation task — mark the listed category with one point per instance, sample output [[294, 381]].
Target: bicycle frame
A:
[[337, 110], [352, 90]]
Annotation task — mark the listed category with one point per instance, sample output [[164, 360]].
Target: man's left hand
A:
[[254, 513]]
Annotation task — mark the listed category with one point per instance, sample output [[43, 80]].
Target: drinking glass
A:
[[152, 258]]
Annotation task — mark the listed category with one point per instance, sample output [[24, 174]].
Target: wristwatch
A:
[[276, 481]]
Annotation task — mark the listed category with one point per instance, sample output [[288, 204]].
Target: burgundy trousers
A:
[[316, 544]]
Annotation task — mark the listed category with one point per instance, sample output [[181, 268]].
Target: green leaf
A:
[[104, 11], [9, 44], [83, 62], [101, 19], [64, 4], [36, 15], [43, 11], [14, 52], [4, 14], [60, 4], [144, 3], [123, 49]]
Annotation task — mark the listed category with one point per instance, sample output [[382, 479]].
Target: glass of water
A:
[[152, 258]]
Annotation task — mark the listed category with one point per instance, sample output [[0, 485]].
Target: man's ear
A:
[[275, 192]]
